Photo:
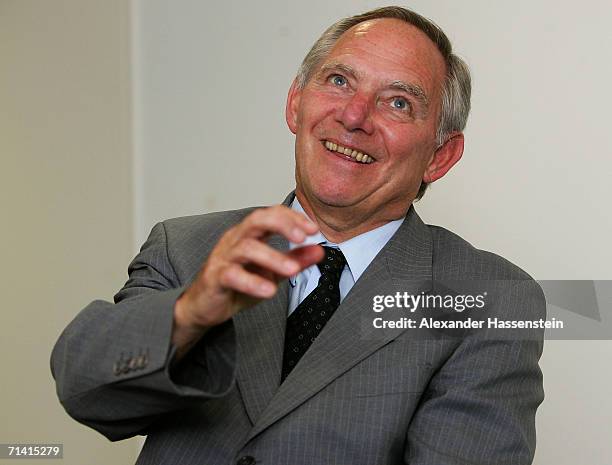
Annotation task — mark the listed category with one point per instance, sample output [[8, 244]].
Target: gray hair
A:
[[457, 85]]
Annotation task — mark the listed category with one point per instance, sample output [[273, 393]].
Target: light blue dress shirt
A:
[[359, 251]]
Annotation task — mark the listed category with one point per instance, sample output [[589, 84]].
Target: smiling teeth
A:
[[354, 154]]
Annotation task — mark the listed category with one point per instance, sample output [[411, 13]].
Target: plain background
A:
[[117, 114]]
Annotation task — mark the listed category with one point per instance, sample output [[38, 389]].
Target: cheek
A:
[[320, 106], [412, 147]]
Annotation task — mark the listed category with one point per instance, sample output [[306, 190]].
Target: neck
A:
[[339, 224]]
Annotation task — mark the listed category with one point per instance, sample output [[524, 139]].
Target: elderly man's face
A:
[[377, 95]]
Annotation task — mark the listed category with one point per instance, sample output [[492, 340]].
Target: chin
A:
[[336, 197]]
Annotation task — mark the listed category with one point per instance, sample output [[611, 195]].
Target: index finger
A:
[[279, 219]]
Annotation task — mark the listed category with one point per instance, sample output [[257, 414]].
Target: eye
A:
[[400, 103], [338, 80]]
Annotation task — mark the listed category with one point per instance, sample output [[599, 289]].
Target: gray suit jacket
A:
[[388, 399]]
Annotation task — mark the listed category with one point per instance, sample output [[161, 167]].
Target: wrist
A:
[[185, 332]]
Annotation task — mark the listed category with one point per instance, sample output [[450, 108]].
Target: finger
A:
[[238, 279], [253, 252], [307, 256], [310, 227], [278, 220]]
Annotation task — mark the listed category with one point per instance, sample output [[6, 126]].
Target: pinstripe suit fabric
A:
[[351, 400]]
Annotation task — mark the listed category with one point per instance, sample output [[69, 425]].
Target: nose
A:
[[355, 115]]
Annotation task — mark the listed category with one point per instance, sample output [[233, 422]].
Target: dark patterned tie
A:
[[307, 320]]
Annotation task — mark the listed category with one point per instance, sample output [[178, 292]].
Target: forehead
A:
[[391, 49]]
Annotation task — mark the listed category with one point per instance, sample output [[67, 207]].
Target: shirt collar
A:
[[360, 250]]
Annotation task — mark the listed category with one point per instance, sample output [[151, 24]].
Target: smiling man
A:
[[366, 124], [237, 338]]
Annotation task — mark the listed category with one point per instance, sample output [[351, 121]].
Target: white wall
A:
[[208, 81], [65, 202], [533, 184]]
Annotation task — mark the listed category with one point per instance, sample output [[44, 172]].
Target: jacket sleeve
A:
[[113, 364], [480, 406]]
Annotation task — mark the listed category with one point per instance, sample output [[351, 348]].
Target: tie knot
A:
[[333, 263]]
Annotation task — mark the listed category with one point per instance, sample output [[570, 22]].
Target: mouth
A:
[[351, 153]]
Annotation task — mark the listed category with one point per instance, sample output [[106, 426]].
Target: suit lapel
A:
[[260, 334], [403, 265]]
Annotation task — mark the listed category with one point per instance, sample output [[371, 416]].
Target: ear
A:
[[444, 158], [292, 107]]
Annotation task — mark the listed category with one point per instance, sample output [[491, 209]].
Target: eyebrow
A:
[[333, 66], [412, 89]]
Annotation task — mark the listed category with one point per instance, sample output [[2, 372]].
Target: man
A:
[[225, 345]]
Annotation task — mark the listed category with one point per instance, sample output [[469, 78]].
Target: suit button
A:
[[246, 460], [140, 362], [117, 369]]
